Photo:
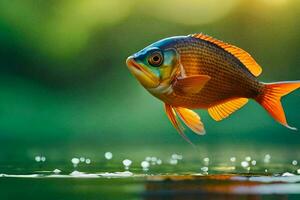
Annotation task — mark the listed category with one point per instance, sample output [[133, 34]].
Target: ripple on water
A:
[[56, 171]]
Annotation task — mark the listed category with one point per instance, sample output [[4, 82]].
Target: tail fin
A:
[[271, 96]]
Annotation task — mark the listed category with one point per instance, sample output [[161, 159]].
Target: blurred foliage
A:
[[63, 76]]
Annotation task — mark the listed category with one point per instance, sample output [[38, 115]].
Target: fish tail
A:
[[270, 99]]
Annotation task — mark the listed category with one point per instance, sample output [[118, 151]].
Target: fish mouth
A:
[[143, 75], [132, 63]]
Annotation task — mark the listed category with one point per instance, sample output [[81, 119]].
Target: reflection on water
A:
[[127, 185], [222, 186]]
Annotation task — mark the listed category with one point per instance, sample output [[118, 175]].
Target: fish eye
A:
[[156, 59]]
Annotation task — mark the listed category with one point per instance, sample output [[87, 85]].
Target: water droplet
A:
[[298, 171], [233, 159], [153, 159], [75, 161], [244, 164], [108, 155], [127, 163], [205, 169], [43, 158], [159, 162], [56, 171], [82, 159], [37, 158], [294, 162], [266, 170], [248, 158], [173, 161], [253, 162], [145, 164], [267, 158], [148, 158], [206, 161], [176, 156], [88, 161]]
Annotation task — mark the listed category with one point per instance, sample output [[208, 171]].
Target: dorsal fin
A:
[[239, 53], [223, 110]]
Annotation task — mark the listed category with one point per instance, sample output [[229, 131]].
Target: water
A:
[[152, 174]]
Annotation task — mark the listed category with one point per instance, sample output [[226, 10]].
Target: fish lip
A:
[[130, 62]]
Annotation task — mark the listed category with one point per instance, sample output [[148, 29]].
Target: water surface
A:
[[152, 174]]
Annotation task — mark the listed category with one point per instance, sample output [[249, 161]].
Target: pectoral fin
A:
[[192, 84], [191, 120]]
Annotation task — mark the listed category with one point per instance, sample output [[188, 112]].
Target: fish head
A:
[[154, 65]]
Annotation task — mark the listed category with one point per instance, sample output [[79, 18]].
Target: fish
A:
[[198, 71]]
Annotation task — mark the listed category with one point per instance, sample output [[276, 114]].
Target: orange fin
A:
[[191, 120], [175, 122], [223, 110], [192, 84], [239, 53], [271, 96]]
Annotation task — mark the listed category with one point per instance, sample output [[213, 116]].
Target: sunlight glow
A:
[[192, 12], [275, 2]]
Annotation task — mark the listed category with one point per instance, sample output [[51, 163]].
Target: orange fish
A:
[[200, 72]]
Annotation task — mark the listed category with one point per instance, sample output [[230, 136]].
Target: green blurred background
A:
[[65, 86]]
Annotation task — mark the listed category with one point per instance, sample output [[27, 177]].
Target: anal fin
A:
[[175, 122], [223, 110], [191, 120], [189, 117]]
